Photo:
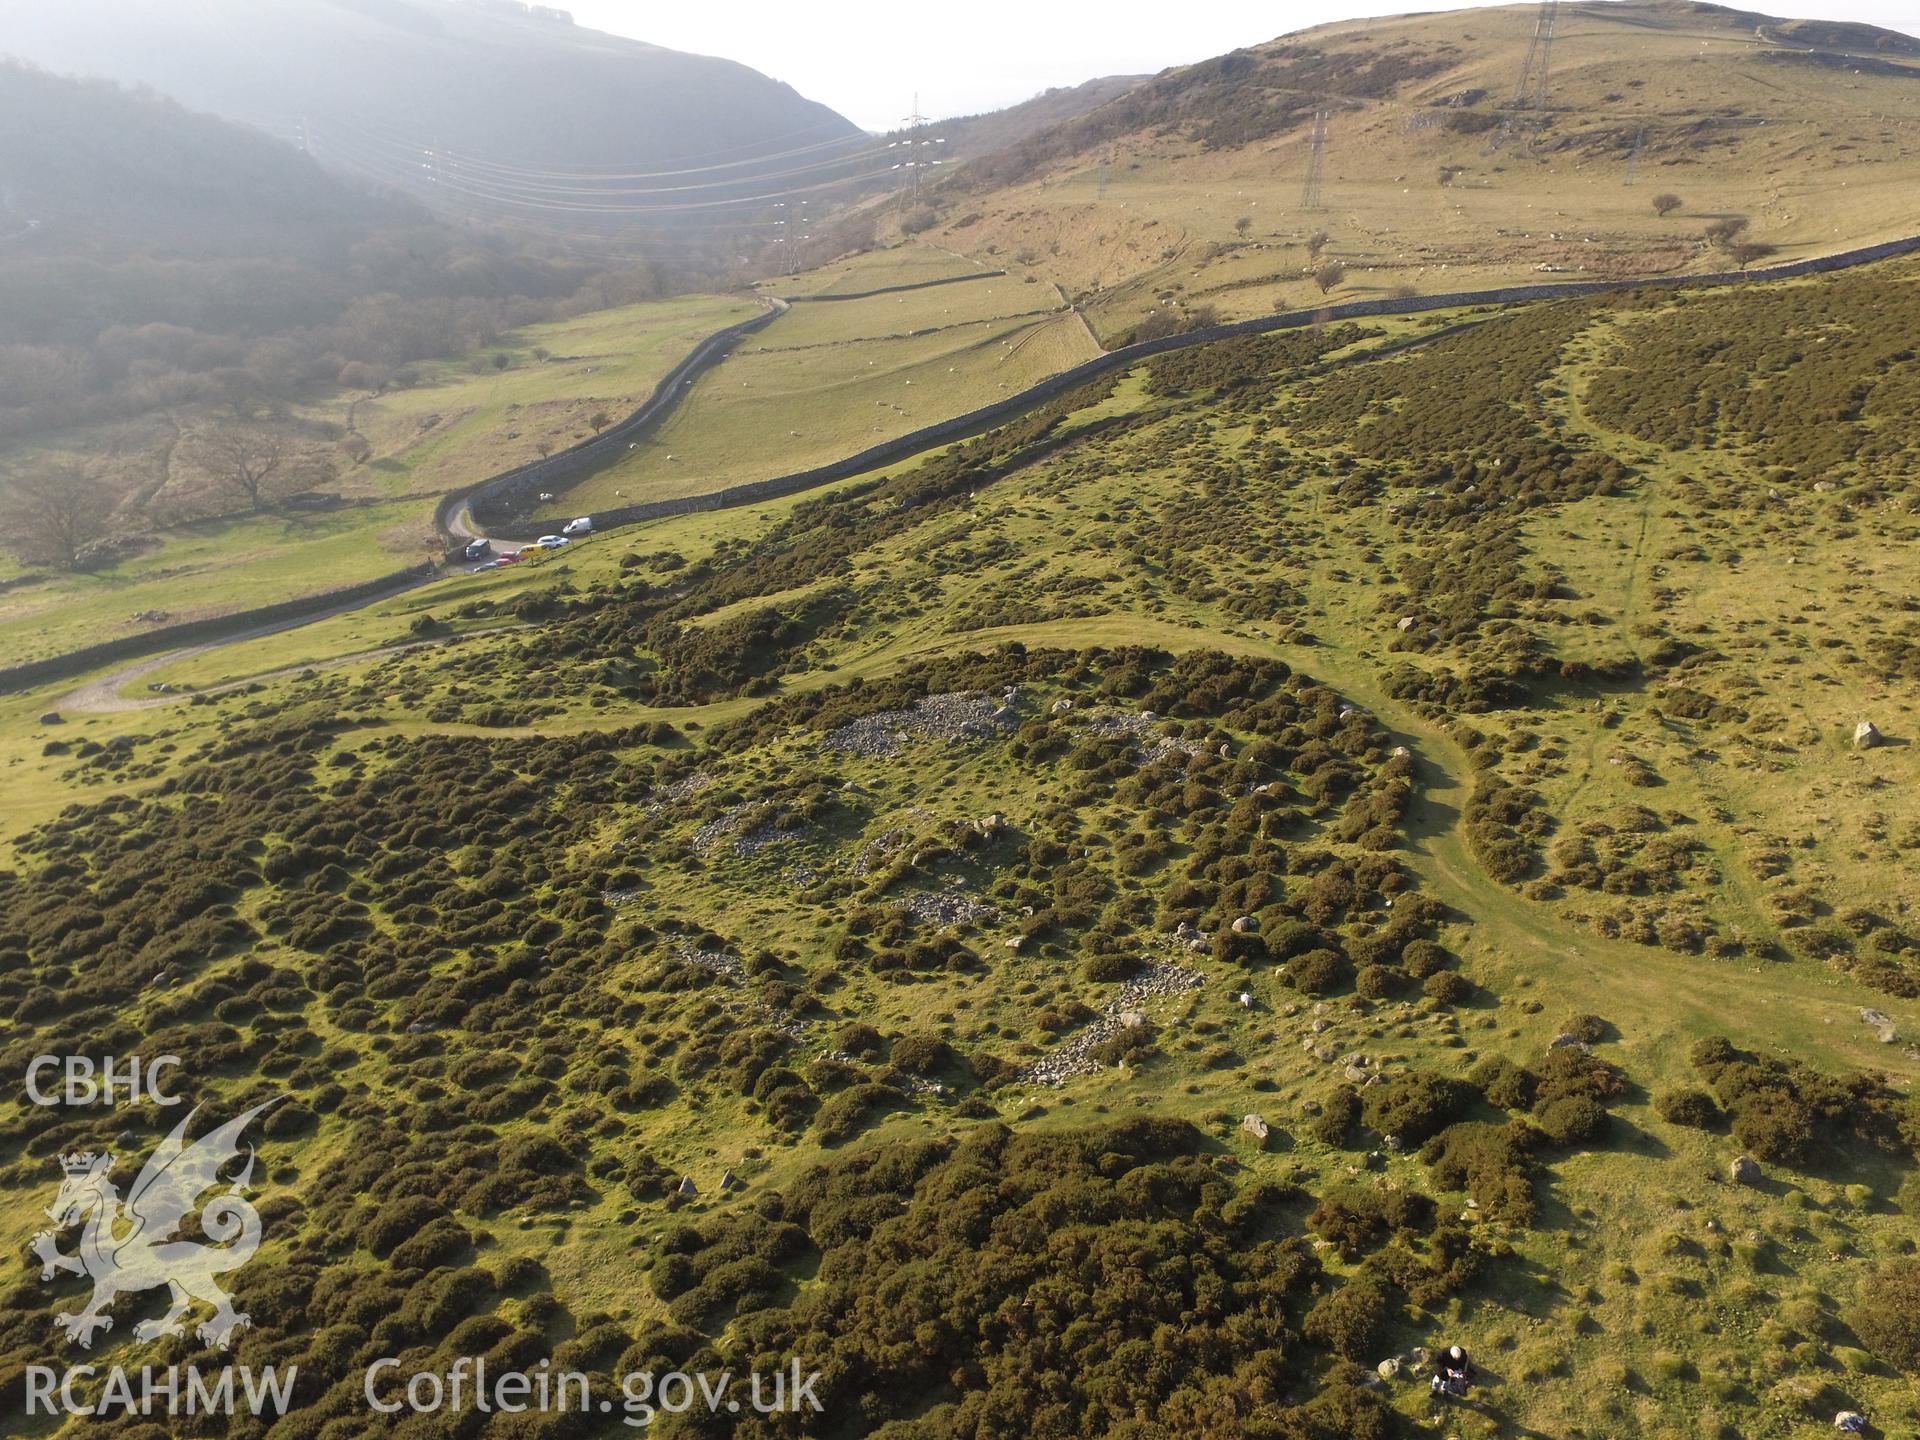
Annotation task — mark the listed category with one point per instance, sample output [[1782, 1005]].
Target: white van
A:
[[582, 526]]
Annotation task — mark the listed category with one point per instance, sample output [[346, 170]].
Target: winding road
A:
[[455, 519]]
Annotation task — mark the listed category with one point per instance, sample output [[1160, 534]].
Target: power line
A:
[[438, 161], [422, 170]]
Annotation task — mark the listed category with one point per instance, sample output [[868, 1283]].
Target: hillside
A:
[[968, 137], [1148, 922], [100, 170], [525, 106], [1444, 163]]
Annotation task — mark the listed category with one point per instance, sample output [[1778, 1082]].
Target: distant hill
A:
[[150, 256], [513, 102], [1447, 159], [971, 136], [96, 169]]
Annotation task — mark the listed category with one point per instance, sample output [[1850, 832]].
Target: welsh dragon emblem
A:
[[131, 1245]]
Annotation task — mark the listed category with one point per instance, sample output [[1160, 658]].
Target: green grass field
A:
[[453, 427], [826, 380]]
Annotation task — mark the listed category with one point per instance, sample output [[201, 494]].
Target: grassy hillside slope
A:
[[1423, 738], [1439, 174]]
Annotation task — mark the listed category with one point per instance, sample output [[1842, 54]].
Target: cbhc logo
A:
[[85, 1083]]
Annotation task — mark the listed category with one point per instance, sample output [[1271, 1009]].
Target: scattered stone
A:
[[1884, 1028], [952, 906], [1073, 1057], [1256, 1127], [418, 1027], [1866, 735], [1565, 1041], [53, 717], [729, 1181], [1061, 707], [685, 788], [1851, 1421], [1744, 1171], [687, 1187], [972, 715], [1388, 1369], [1245, 925], [1407, 622]]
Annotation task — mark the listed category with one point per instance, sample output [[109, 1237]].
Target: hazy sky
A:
[[866, 58]]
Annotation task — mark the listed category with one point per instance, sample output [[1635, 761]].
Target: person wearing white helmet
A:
[[1452, 1372]]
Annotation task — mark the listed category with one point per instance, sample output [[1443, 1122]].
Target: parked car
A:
[[550, 542], [582, 526], [507, 557], [477, 549]]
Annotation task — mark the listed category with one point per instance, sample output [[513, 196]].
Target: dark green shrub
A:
[[1572, 1119], [1318, 972], [1886, 1316], [1687, 1106], [1352, 1321]]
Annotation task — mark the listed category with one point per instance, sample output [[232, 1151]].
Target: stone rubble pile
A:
[[966, 715], [1073, 1057]]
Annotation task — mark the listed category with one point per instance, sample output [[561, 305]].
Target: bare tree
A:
[[1243, 225], [599, 420], [1745, 252], [53, 512], [256, 467], [544, 446], [1317, 242], [1665, 203], [1329, 275], [1725, 231]]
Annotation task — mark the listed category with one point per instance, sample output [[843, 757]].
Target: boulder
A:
[[1851, 1421], [1883, 1027], [53, 717], [1245, 925], [687, 1187], [1866, 735], [1256, 1127], [1388, 1368], [1407, 622], [1744, 1171], [1569, 1042]]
